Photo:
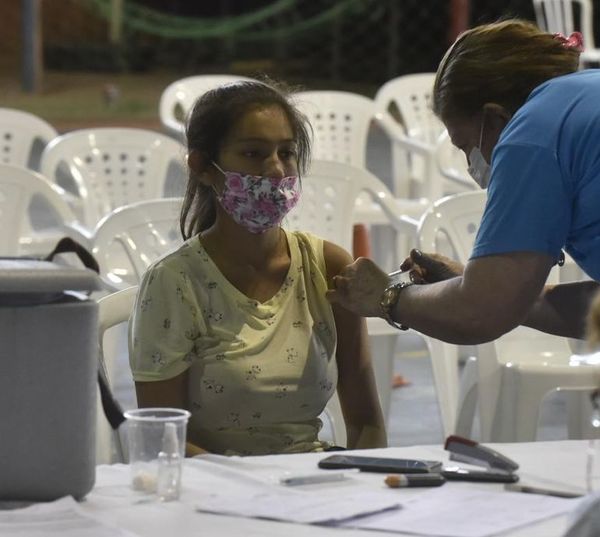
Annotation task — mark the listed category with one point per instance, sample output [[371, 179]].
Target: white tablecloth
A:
[[557, 463]]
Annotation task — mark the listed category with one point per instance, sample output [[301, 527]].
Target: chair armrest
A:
[[459, 179], [403, 215], [175, 130], [398, 137], [111, 286], [78, 233]]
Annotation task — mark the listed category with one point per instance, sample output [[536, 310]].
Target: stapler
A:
[[466, 450]]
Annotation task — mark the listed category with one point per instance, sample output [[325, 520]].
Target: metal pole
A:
[[459, 18], [394, 39], [116, 22], [336, 47], [32, 66]]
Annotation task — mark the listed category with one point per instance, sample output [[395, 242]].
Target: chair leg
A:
[[383, 349], [444, 363], [467, 399], [579, 412], [517, 413], [333, 412]]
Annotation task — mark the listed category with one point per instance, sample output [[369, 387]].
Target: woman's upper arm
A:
[[172, 392], [351, 328], [164, 326]]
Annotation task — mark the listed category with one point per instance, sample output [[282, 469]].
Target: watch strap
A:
[[389, 308]]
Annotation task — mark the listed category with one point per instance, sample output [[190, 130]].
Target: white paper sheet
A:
[[234, 488], [466, 512], [305, 507], [62, 518]]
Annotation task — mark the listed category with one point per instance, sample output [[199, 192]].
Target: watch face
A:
[[388, 297]]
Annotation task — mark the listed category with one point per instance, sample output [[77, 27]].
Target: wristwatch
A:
[[388, 302]]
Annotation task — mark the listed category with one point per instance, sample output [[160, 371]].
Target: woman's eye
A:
[[288, 153], [251, 153]]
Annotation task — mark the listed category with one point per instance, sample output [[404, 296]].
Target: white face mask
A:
[[479, 169]]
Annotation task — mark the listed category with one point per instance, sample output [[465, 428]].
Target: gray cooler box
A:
[[48, 371]]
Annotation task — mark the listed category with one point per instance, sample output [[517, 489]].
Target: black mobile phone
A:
[[380, 464], [455, 473]]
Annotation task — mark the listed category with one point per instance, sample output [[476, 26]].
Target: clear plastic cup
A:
[[156, 450]]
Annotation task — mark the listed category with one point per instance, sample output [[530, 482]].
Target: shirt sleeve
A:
[[164, 325], [529, 205]]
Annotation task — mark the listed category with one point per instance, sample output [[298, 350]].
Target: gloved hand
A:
[[430, 268]]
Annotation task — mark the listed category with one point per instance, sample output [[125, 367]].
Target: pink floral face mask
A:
[[255, 202]]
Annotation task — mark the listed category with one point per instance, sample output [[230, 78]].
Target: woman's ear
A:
[[200, 166], [497, 114], [197, 161]]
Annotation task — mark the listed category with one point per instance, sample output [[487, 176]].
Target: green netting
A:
[[158, 22], [356, 44], [143, 19]]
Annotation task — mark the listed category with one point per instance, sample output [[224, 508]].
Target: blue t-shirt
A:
[[544, 190]]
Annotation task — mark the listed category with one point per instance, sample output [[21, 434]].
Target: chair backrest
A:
[[456, 219], [25, 195], [130, 238], [113, 310], [329, 192], [111, 167], [23, 137], [340, 122], [452, 163], [179, 97], [566, 16], [408, 99]]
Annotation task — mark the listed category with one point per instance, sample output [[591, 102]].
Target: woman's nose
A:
[[274, 167]]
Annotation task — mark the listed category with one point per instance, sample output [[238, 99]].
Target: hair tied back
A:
[[574, 41]]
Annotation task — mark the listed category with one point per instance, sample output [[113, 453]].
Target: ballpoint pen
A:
[[530, 489], [321, 477]]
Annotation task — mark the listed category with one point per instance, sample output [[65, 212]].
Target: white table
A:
[[112, 502]]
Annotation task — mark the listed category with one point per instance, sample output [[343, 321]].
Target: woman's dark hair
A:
[[498, 63], [209, 124]]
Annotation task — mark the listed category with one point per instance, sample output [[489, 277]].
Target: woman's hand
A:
[[358, 288], [430, 268]]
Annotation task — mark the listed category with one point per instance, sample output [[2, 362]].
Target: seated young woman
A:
[[234, 325]]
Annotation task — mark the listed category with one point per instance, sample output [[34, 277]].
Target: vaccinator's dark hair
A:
[[499, 63]]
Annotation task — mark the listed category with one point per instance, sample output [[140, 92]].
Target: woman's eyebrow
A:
[[263, 140]]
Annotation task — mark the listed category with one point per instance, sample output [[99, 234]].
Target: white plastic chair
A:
[[341, 122], [567, 16], [130, 238], [511, 375], [33, 212], [179, 97], [408, 99], [326, 209], [23, 136], [113, 310], [452, 164], [110, 167]]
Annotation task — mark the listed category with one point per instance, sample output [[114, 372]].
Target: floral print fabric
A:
[[258, 203], [260, 373]]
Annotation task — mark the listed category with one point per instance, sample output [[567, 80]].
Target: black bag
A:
[[112, 409]]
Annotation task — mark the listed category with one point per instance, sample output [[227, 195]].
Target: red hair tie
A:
[[574, 41]]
